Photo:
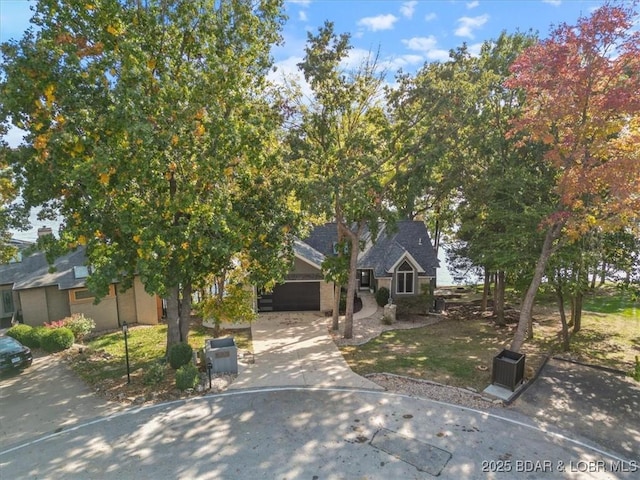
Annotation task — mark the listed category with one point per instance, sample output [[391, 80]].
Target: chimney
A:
[[43, 231]]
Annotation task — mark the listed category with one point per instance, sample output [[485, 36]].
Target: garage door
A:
[[295, 296]]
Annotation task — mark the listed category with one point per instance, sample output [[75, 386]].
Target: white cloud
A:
[[474, 49], [302, 15], [430, 16], [408, 8], [304, 3], [555, 3], [428, 47], [469, 24], [381, 22], [473, 4], [421, 44]]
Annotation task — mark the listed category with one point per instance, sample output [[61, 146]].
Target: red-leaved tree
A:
[[582, 88]]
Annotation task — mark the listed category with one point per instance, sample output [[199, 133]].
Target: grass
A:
[[449, 352], [104, 358], [460, 353]]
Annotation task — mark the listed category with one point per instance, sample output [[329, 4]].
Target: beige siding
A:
[[126, 305], [300, 266], [146, 305], [326, 296], [105, 313], [34, 306], [384, 282], [57, 303]]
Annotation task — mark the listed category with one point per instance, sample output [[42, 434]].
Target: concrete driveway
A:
[[295, 349], [596, 404]]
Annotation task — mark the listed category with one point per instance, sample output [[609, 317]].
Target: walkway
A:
[[295, 349]]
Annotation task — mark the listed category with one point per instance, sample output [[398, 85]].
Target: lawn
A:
[[460, 352], [102, 362]]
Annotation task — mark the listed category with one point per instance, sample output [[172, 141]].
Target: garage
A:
[[292, 296]]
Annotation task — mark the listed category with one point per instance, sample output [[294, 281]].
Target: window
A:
[[404, 278], [7, 301], [83, 295]]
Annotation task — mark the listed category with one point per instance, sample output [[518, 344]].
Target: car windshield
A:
[[8, 344]]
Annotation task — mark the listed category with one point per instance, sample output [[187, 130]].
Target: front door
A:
[[365, 278]]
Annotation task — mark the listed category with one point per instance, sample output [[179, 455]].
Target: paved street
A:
[[302, 433]]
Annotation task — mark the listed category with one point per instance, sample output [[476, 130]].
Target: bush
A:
[[80, 325], [413, 305], [34, 337], [154, 374], [382, 296], [56, 339], [187, 377], [180, 354], [21, 332]]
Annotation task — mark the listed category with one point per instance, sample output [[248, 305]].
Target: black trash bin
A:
[[508, 369]]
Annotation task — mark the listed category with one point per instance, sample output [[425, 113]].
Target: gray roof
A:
[[307, 252], [34, 271], [322, 238], [391, 245]]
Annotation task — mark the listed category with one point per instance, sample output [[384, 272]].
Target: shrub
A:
[[382, 296], [56, 339], [34, 337], [21, 332], [80, 325], [413, 305], [187, 376], [154, 374], [180, 354]]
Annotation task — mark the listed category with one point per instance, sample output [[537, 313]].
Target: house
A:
[[33, 293], [401, 259]]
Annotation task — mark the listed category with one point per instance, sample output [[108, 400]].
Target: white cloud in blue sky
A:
[[379, 22], [555, 3], [408, 8], [467, 25], [430, 17], [473, 4]]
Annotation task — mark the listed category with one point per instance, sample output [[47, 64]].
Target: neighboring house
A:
[[33, 293], [401, 259]]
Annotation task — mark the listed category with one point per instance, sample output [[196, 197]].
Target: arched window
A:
[[404, 278]]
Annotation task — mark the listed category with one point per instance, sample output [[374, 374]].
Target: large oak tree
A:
[[151, 136]]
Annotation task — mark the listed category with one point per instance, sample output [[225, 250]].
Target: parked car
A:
[[13, 355]]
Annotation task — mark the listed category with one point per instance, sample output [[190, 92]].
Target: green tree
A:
[[581, 88], [339, 141], [151, 134]]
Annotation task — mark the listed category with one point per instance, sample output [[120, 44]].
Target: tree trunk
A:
[[185, 313], [351, 287], [173, 317], [498, 306], [576, 311], [563, 316], [526, 309], [485, 290], [594, 276], [603, 273], [335, 316], [495, 288]]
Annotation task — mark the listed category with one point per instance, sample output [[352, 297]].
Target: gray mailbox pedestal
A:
[[222, 353]]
